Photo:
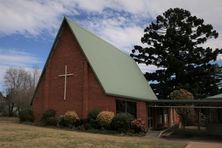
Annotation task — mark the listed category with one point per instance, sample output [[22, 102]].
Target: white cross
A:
[[65, 75]]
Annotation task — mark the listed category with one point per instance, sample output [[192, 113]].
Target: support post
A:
[[198, 116], [155, 118], [170, 117]]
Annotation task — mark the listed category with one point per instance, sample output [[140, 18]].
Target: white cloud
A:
[[31, 17], [113, 31], [34, 17], [124, 38], [134, 7], [120, 22], [15, 58], [89, 5], [25, 16], [144, 68], [124, 32]]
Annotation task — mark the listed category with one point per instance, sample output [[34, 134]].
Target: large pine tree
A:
[[174, 43]]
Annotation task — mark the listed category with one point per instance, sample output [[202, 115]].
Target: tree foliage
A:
[[3, 108], [19, 87], [174, 43]]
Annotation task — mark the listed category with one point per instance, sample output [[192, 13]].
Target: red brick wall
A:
[[175, 116], [97, 96], [38, 100], [51, 88], [49, 94], [142, 111], [83, 89]]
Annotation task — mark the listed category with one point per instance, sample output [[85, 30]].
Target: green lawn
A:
[[14, 134]]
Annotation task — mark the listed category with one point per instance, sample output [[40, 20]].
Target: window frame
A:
[[126, 105]]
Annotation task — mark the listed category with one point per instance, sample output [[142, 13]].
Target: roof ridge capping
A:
[[117, 72]]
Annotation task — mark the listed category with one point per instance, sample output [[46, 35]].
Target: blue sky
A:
[[28, 28]]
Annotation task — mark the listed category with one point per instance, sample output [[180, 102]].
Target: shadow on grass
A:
[[193, 134]]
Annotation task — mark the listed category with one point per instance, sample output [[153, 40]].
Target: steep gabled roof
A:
[[117, 72]]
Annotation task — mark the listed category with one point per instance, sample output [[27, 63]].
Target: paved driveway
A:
[[204, 145]]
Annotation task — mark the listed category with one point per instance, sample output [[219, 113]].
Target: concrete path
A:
[[204, 145], [152, 133]]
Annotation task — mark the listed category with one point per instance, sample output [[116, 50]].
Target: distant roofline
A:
[[186, 101], [200, 103]]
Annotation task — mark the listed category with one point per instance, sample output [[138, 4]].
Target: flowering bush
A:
[[104, 118], [138, 125], [71, 118]]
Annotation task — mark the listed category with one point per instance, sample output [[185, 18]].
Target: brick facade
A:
[[84, 92]]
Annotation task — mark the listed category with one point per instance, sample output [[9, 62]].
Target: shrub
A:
[[181, 94], [52, 121], [121, 122], [138, 125], [92, 115], [104, 119], [60, 121], [47, 115], [83, 124], [26, 115], [188, 116], [71, 118]]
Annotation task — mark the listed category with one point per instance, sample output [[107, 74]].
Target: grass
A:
[[14, 134]]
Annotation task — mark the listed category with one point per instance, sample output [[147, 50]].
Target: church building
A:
[[83, 72]]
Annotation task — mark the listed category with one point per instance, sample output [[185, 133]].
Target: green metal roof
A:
[[215, 97], [117, 72]]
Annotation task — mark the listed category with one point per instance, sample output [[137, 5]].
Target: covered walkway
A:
[[212, 106]]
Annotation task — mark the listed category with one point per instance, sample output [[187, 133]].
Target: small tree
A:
[[2, 105], [19, 85], [187, 115]]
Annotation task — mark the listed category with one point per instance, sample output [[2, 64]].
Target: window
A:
[[123, 106]]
